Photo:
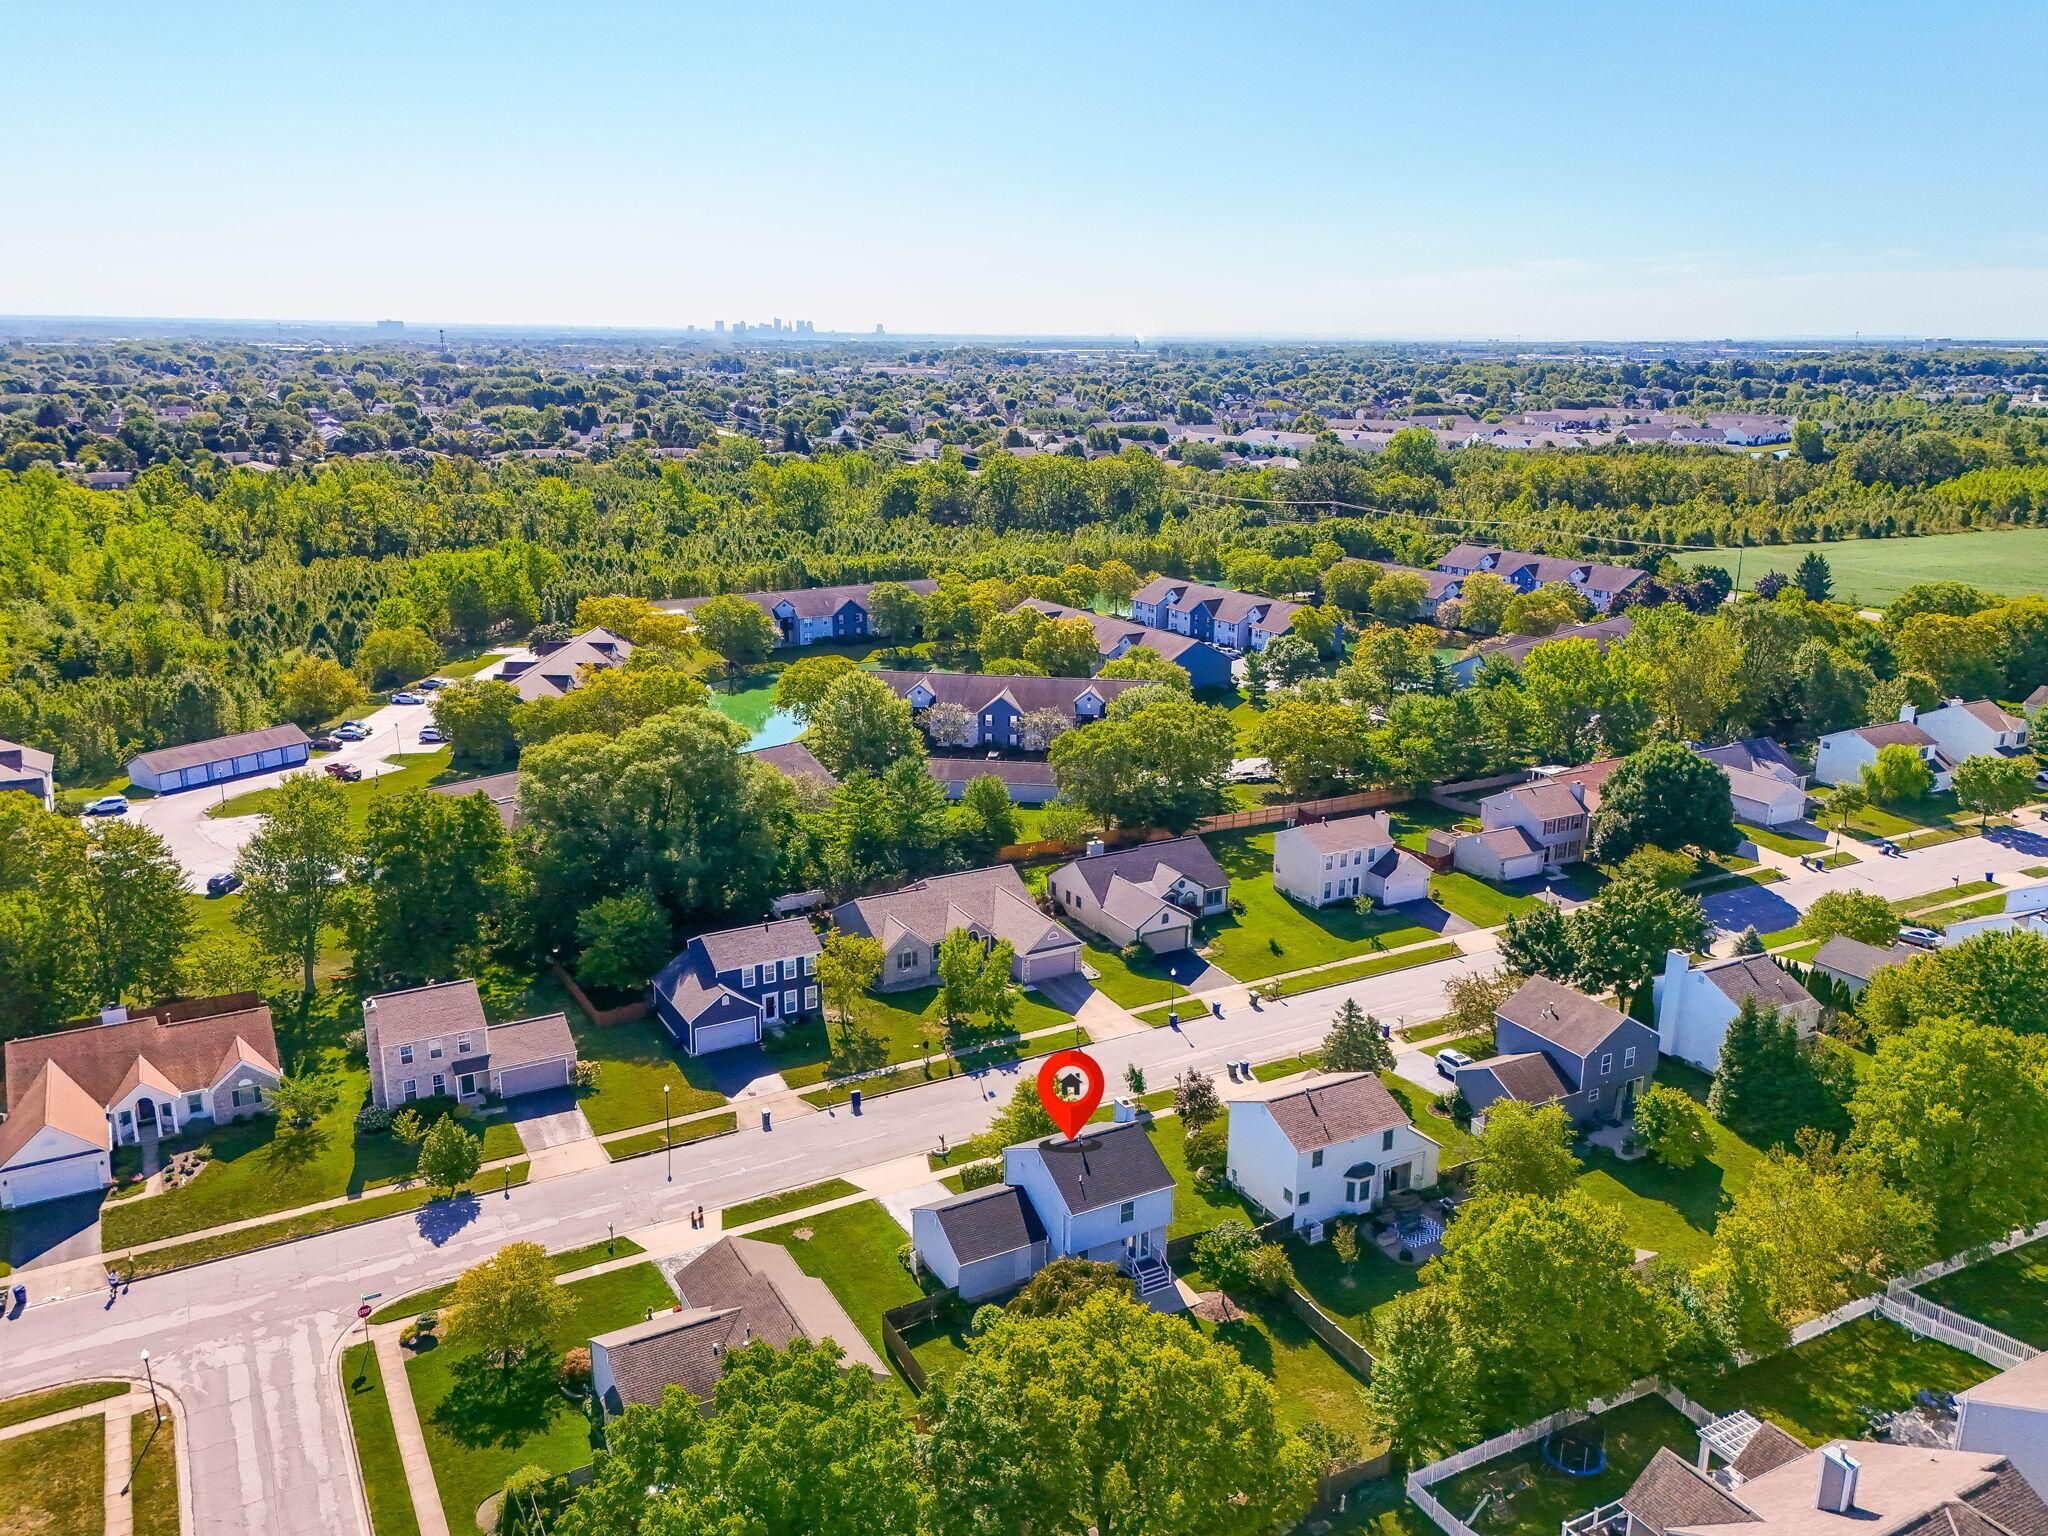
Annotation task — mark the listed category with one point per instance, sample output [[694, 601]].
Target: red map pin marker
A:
[[1070, 1115]]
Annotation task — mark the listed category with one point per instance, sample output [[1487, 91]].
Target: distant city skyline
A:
[[1610, 171]]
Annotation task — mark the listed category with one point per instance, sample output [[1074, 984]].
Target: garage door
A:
[[54, 1180], [532, 1077], [1038, 967], [722, 1037]]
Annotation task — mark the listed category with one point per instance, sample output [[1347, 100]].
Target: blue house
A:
[[726, 988], [1206, 665], [1557, 1046], [814, 615]]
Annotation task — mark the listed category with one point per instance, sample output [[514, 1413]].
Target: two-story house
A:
[[428, 1041], [1842, 756], [1766, 787], [1313, 1146], [1341, 860], [992, 904], [1438, 587], [1697, 1003], [1207, 665], [727, 988], [1237, 621], [1151, 894], [1104, 1196], [1599, 583], [997, 703], [1554, 813], [1554, 1045], [1976, 728], [814, 615]]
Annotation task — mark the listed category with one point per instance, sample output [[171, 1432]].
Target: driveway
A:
[[1419, 1067], [548, 1119], [54, 1232]]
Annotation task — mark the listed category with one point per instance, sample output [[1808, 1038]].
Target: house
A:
[[1313, 1146], [24, 768], [737, 1290], [1030, 781], [1851, 963], [1696, 1004], [432, 1040], [2008, 1416], [1152, 893], [1499, 854], [224, 757], [1558, 1046], [795, 760], [74, 1095], [991, 904], [501, 789], [2023, 912], [1517, 648], [1439, 587], [1236, 621], [1752, 431], [1775, 1486], [1843, 755], [1103, 1196], [727, 988], [558, 667], [1978, 728], [1340, 860], [998, 702], [2038, 699], [1600, 584], [814, 615], [1766, 786], [1554, 811], [1206, 665]]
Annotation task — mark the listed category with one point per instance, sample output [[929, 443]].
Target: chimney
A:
[[1123, 1111], [114, 1013], [1908, 714], [1837, 1493], [1094, 846]]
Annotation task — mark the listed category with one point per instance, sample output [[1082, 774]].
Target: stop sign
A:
[[363, 1311]]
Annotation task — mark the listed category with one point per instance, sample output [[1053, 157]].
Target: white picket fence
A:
[[1930, 1320]]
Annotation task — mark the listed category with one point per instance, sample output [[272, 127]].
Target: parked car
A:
[[220, 885], [432, 684], [430, 734], [108, 805], [1926, 938], [354, 730], [347, 773], [1448, 1062], [408, 698], [326, 743]]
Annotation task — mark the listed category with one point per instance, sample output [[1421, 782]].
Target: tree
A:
[[1474, 998], [1956, 1114], [847, 966], [622, 941], [476, 716], [315, 688], [1421, 1394], [132, 915], [1348, 584], [737, 630], [610, 700], [1289, 659], [804, 683], [1844, 801], [1195, 1100], [1231, 1254], [450, 1157], [972, 978], [1116, 582], [1539, 942], [1157, 759], [1526, 1149], [1808, 441], [46, 974], [1898, 776], [1354, 1043], [292, 868], [507, 1308], [1622, 936], [437, 873], [1867, 918], [1992, 978], [1668, 796], [895, 610], [1483, 602], [1064, 648], [1672, 1126], [987, 801], [636, 619], [389, 656], [299, 1101], [217, 964], [1544, 611], [860, 725], [1181, 1434], [1141, 663], [1992, 785], [1398, 596], [1314, 749], [946, 724], [1813, 577], [1023, 1119], [1768, 1086]]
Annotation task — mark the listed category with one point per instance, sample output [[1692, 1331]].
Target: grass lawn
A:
[[260, 1165], [1525, 1496], [1779, 842], [1874, 571], [216, 915], [1276, 933], [1479, 902], [52, 1482], [1132, 986], [413, 770], [1381, 1508], [1413, 822], [1311, 1383], [995, 1053], [1457, 1144], [1350, 1293], [942, 1344], [1672, 1211], [1913, 905], [2008, 1292], [36, 1405], [369, 1417], [155, 1489], [1941, 811], [789, 1200], [482, 1425], [634, 1061], [1819, 1390], [853, 1250], [567, 1262], [804, 1055], [1194, 1210], [675, 1135]]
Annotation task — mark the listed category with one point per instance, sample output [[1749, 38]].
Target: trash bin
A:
[[853, 1099], [767, 1119], [1173, 1018]]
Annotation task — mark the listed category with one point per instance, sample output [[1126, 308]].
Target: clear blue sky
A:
[[1474, 170]]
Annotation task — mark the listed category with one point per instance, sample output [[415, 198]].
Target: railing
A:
[[1595, 1521], [1928, 1319]]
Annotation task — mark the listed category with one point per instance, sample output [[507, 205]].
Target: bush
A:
[[356, 1045], [981, 1175], [1269, 1271], [407, 1125], [1344, 1238], [372, 1118], [574, 1371], [1206, 1151], [586, 1074]]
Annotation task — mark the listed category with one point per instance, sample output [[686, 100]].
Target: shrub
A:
[[1206, 1151], [981, 1175], [407, 1125], [1269, 1271], [586, 1074], [356, 1045], [372, 1118], [1344, 1238], [574, 1371]]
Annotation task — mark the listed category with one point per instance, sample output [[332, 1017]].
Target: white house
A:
[[1766, 786], [1696, 1004], [2008, 1416], [2025, 912], [1843, 755], [1314, 1146], [1332, 861], [1978, 728], [1150, 894], [980, 1243]]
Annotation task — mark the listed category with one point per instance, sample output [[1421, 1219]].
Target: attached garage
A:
[[82, 1173], [531, 1055], [1059, 962], [533, 1077], [54, 1141], [724, 1036]]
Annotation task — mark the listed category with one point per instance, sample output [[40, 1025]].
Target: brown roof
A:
[[545, 1038], [993, 900], [1895, 733], [975, 691], [1760, 977], [1527, 1077], [1770, 1447], [794, 759], [423, 1013], [52, 1099], [1901, 1490], [1343, 832], [1323, 1111], [1188, 858], [190, 1045], [1015, 772], [1671, 1492], [1558, 1014], [1546, 799], [501, 789], [193, 753]]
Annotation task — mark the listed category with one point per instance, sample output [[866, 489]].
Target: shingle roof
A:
[[1986, 713], [558, 669], [1754, 754], [806, 602], [1342, 833], [985, 1222], [1509, 842], [1672, 1493], [1323, 1111], [51, 1099], [794, 759], [975, 691], [1556, 1013], [1894, 733], [1016, 773], [731, 948], [1107, 1165], [189, 1045], [525, 1040], [1760, 977], [992, 899], [1111, 633], [1524, 1076], [1188, 858], [1546, 799], [1853, 957], [1601, 632], [501, 789], [1225, 605], [220, 748], [27, 759], [1768, 1448], [422, 1013]]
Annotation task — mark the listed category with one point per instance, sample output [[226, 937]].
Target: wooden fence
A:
[[1326, 1328], [625, 1013], [910, 1315], [1287, 812]]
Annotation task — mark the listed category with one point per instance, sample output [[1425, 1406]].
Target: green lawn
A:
[[675, 1135], [1133, 986], [1521, 1494], [1194, 1210], [749, 1211], [1912, 906], [1940, 812], [369, 1417], [1352, 1294], [635, 1061], [1381, 1508], [1312, 1384], [155, 1488], [1276, 933], [804, 1055], [52, 1482], [414, 770], [1479, 902], [482, 1425], [1335, 975], [942, 1344], [1819, 1390], [36, 1405], [853, 1250], [567, 1262], [994, 1053], [1457, 1144], [1779, 842], [1874, 571], [260, 1165], [216, 915], [2008, 1292], [1413, 822]]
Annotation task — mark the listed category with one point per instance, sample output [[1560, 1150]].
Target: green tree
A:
[[1157, 760], [1314, 749], [1473, 999], [1862, 916], [1544, 611], [132, 915], [508, 1307], [1540, 942], [1525, 1149], [1116, 582], [476, 715], [1768, 1086], [1844, 801], [46, 974], [1023, 1119], [1672, 1126], [610, 700], [1421, 1394], [299, 1101], [1666, 796], [1064, 1284], [847, 967], [437, 870], [450, 1157], [737, 630], [315, 688], [1064, 648], [1181, 1435], [860, 725], [971, 978], [896, 611], [1143, 664], [1813, 577], [292, 870], [1354, 1043], [803, 684], [1483, 602], [1898, 776], [1992, 785], [1622, 936], [389, 656], [622, 941], [1398, 596], [1195, 1100], [988, 815], [1809, 442], [1993, 978]]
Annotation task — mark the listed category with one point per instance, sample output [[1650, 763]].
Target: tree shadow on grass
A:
[[1250, 1341], [439, 1220], [488, 1405]]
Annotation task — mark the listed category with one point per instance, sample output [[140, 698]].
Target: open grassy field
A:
[[53, 1480], [2013, 561], [414, 770]]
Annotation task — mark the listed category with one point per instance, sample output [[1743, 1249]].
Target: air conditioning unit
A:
[[1314, 1234]]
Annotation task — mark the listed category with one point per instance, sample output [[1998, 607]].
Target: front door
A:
[[769, 1001], [145, 1112], [1397, 1178]]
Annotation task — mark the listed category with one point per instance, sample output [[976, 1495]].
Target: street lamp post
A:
[[667, 1141], [150, 1376]]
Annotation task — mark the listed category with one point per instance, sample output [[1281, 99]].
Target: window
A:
[[462, 1045], [1287, 1197], [195, 1103], [746, 975], [440, 1084], [405, 1055], [1326, 890], [789, 970], [1386, 1141], [810, 965], [1350, 1191], [810, 997], [1593, 1096], [789, 1001], [412, 1090], [1628, 1057], [1328, 862], [1303, 1200], [434, 1051], [1606, 1062], [1315, 1160], [907, 960], [1127, 1212]]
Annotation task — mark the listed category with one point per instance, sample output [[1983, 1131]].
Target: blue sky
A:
[[1475, 170]]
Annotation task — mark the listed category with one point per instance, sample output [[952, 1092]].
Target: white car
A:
[[352, 731], [430, 735], [108, 805], [408, 698], [432, 684], [1448, 1062]]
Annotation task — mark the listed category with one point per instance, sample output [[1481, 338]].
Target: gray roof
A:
[[1508, 842], [1016, 773], [985, 1222], [794, 759], [1768, 1447], [1107, 1165], [501, 789], [1111, 633], [1556, 1013], [975, 691], [1225, 605], [15, 756], [731, 948], [1853, 957], [1327, 1110], [558, 669], [806, 602], [1186, 857], [220, 748], [1760, 977], [1547, 799], [993, 900], [545, 1038], [1524, 1076], [1754, 754], [422, 1013], [1342, 832]]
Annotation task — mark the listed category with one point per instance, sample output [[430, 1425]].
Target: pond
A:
[[778, 728]]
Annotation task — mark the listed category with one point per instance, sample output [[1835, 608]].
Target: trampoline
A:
[[1579, 1451]]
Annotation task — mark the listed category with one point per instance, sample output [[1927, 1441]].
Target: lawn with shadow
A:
[[1275, 933]]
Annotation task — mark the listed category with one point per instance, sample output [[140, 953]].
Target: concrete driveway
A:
[[54, 1232], [550, 1118], [1419, 1067]]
